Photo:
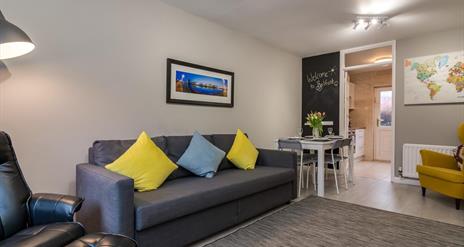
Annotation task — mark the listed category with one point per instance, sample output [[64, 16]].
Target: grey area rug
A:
[[317, 221]]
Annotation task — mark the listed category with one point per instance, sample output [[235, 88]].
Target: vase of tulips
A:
[[314, 120]]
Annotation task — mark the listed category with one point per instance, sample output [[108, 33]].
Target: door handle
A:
[[378, 122]]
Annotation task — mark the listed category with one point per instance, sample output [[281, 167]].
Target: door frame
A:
[[343, 126], [375, 115]]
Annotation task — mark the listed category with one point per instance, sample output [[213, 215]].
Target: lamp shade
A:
[[14, 42]]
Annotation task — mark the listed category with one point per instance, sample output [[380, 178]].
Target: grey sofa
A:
[[186, 208]]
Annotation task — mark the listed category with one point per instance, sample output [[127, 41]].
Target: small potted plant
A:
[[314, 120]]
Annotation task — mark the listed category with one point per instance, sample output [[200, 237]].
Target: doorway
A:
[[383, 104], [367, 109]]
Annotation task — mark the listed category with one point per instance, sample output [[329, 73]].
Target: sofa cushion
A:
[[185, 196], [243, 153], [106, 151], [145, 163], [57, 234], [224, 142], [201, 157], [175, 147]]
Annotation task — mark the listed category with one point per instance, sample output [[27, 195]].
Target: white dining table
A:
[[321, 146]]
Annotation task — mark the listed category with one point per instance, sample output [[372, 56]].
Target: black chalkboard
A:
[[321, 88]]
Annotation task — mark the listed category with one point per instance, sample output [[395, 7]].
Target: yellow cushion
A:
[[243, 153], [450, 175], [144, 162]]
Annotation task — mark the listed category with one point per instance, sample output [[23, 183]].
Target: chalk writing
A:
[[321, 80]]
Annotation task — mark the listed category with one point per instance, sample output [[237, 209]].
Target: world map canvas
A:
[[435, 79]]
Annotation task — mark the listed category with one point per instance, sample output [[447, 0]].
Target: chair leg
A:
[[336, 182], [345, 171], [458, 204], [423, 191], [334, 168], [346, 180], [301, 171], [314, 177], [307, 176]]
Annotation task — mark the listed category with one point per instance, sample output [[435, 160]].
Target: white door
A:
[[383, 145]]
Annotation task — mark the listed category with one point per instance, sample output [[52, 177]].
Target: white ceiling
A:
[[309, 27]]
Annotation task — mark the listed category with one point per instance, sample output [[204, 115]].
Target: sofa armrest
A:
[[283, 159], [432, 158], [109, 200], [51, 208], [277, 158]]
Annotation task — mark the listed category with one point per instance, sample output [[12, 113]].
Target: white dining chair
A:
[[334, 159], [303, 159]]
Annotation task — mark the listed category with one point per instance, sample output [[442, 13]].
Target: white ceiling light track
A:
[[368, 21]]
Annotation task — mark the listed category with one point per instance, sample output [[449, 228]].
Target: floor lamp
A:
[[14, 42]]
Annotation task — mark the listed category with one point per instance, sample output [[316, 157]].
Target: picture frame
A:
[[194, 84], [434, 79]]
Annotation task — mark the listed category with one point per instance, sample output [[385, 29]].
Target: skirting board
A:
[[410, 181]]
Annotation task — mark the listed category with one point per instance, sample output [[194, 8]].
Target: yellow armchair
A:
[[440, 173]]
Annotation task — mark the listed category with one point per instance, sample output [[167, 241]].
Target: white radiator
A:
[[411, 156]]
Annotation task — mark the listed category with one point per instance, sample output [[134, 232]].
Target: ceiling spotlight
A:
[[357, 24], [367, 22]]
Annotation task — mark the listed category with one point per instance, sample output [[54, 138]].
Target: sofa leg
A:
[[458, 204], [423, 191]]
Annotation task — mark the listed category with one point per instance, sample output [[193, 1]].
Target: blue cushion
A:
[[201, 157]]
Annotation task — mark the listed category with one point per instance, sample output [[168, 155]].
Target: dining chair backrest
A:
[[337, 144], [290, 144], [347, 142]]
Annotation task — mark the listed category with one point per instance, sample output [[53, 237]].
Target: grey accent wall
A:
[[425, 124], [99, 72]]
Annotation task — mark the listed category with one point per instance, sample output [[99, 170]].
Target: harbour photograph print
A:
[[194, 84], [200, 84]]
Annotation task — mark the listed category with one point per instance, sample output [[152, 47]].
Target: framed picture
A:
[[434, 79], [194, 84]]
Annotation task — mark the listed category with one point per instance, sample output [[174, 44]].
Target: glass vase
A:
[[316, 133]]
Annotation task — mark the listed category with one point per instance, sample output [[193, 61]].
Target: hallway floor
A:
[[373, 169]]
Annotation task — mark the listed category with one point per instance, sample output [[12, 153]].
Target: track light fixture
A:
[[366, 22]]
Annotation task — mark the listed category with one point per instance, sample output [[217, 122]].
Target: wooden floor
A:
[[373, 188], [373, 169]]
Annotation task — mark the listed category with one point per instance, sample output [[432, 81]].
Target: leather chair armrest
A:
[[47, 208], [432, 158]]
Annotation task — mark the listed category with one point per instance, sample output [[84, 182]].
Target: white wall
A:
[[99, 71]]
